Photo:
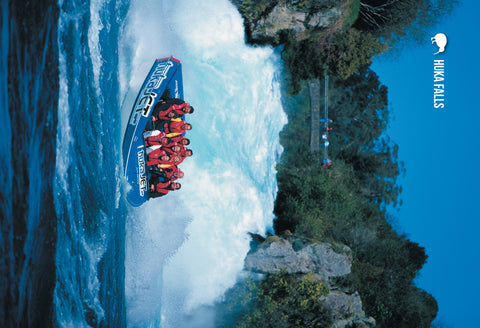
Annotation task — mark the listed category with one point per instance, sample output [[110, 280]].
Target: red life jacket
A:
[[174, 126], [163, 187], [154, 137], [177, 110]]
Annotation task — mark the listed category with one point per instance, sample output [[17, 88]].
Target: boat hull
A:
[[164, 81]]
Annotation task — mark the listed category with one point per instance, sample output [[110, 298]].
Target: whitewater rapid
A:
[[185, 250]]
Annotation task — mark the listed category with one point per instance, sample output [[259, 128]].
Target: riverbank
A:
[[346, 204]]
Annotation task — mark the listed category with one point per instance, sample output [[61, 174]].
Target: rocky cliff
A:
[[267, 20], [324, 261]]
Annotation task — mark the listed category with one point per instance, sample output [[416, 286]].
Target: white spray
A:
[[185, 250]]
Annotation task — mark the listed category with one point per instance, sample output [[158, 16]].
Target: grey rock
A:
[[286, 15], [324, 261], [276, 254], [347, 310]]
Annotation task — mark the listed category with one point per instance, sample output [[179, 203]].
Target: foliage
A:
[[285, 300], [351, 9], [346, 203], [359, 108], [253, 10], [341, 54], [351, 49], [239, 301]]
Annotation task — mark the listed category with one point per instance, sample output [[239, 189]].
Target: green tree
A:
[[341, 53], [351, 49], [285, 300]]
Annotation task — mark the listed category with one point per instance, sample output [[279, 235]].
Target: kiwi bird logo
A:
[[441, 40]]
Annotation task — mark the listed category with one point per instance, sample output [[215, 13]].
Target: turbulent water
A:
[[166, 263]]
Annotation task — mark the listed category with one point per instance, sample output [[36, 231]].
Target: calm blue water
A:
[[164, 264]]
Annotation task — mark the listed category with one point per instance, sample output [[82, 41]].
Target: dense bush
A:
[[281, 300], [346, 203]]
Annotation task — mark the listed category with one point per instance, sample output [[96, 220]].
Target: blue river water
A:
[[73, 252], [166, 263]]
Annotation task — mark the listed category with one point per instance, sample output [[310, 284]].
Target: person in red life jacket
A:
[[154, 137], [166, 174], [170, 173], [163, 106], [160, 189], [174, 111], [181, 140], [175, 149], [186, 153], [173, 173], [157, 156], [155, 151], [162, 161], [175, 127], [165, 161], [178, 140]]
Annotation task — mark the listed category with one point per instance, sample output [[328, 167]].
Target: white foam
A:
[[96, 25], [186, 249]]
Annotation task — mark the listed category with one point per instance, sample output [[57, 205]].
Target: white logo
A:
[[441, 40]]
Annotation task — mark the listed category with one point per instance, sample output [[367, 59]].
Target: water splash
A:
[[185, 250]]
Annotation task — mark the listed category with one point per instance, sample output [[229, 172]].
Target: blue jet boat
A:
[[164, 81]]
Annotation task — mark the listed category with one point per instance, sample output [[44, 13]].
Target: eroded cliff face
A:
[[267, 20], [324, 261], [296, 256]]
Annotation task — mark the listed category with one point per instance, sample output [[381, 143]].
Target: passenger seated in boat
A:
[[175, 149], [174, 111], [178, 140], [181, 140], [157, 137], [164, 105], [156, 155], [176, 127], [160, 189], [185, 154], [162, 155], [165, 161], [168, 173], [165, 172], [175, 159], [155, 151], [154, 137]]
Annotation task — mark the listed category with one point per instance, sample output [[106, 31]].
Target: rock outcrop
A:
[[296, 257], [300, 18], [324, 261], [347, 310]]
